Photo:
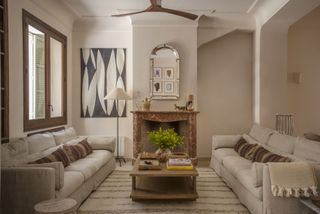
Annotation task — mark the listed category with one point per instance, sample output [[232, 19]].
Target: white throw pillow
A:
[[261, 134], [102, 143], [249, 139], [40, 142], [64, 136], [283, 143]]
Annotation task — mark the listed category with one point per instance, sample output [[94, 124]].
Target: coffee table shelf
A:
[[163, 184]]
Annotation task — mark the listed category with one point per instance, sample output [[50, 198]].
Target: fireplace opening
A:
[[179, 126]]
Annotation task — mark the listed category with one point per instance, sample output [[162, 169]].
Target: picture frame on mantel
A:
[[164, 73]]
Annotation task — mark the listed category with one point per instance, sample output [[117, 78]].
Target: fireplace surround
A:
[[184, 123]]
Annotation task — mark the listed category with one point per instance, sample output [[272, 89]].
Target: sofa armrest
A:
[[224, 141], [276, 205], [102, 143], [23, 187]]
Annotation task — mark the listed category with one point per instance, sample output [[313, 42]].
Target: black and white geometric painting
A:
[[102, 69]]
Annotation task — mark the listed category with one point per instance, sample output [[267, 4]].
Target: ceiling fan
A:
[[156, 7]]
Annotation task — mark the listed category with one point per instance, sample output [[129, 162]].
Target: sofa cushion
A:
[[261, 134], [263, 155], [245, 178], [40, 142], [101, 156], [86, 166], [236, 163], [59, 172], [257, 173], [102, 143], [219, 154], [72, 181], [14, 149], [224, 141], [65, 135], [308, 149], [281, 142], [58, 155], [250, 139], [245, 149]]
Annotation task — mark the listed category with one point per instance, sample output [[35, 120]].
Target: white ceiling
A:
[[102, 8]]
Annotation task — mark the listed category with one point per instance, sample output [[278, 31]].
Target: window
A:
[[44, 74]]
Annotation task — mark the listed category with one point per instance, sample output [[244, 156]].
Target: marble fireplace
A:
[[183, 122]]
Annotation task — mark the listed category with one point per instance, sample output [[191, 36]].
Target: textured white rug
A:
[[113, 196]]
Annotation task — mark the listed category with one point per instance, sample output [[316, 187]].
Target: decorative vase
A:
[[163, 154], [146, 103]]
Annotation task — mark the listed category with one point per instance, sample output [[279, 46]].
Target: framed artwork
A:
[[168, 73], [157, 73], [168, 87], [102, 69], [157, 87]]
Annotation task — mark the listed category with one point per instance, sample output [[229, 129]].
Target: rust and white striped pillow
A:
[[245, 149], [78, 151], [264, 156], [56, 156]]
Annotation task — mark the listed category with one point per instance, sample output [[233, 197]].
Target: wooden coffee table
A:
[[163, 184]]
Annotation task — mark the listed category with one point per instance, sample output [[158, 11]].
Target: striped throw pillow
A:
[[78, 151], [57, 156], [263, 155], [245, 149]]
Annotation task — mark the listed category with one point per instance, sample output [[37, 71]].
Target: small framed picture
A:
[[168, 73], [157, 73], [168, 87], [157, 87]]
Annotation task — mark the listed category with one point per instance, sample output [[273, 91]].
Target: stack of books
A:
[[179, 164]]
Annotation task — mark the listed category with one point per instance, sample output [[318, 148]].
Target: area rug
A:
[[113, 196]]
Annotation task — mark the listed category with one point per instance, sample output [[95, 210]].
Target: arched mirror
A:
[[164, 72]]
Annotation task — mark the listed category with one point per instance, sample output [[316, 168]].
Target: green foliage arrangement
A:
[[165, 139]]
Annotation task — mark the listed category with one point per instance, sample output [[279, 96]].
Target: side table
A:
[[55, 206]]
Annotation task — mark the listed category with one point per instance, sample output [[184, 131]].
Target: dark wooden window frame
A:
[[4, 73], [29, 125]]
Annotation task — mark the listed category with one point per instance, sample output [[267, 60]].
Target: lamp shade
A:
[[117, 94]]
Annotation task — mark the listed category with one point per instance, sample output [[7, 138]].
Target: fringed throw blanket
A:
[[295, 179]]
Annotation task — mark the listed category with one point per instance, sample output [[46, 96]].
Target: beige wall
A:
[[59, 19], [304, 57], [184, 39], [93, 34], [273, 72], [224, 87]]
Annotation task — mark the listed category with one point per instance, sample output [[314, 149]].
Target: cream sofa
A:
[[23, 185], [251, 181]]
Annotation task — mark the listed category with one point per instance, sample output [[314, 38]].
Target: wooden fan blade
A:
[[179, 13], [129, 14]]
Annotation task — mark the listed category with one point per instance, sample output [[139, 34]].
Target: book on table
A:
[[179, 164]]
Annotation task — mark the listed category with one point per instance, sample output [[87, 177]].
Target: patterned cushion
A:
[[245, 149], [262, 155], [58, 155], [78, 151]]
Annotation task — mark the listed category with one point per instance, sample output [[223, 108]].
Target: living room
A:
[[242, 63]]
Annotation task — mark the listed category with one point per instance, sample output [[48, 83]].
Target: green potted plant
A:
[[165, 140]]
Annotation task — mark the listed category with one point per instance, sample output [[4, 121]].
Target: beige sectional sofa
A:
[[23, 185], [251, 181]]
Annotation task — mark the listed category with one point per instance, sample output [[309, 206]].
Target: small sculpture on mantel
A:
[[146, 104], [189, 104]]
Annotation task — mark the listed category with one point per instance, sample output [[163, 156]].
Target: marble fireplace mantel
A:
[[186, 120]]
